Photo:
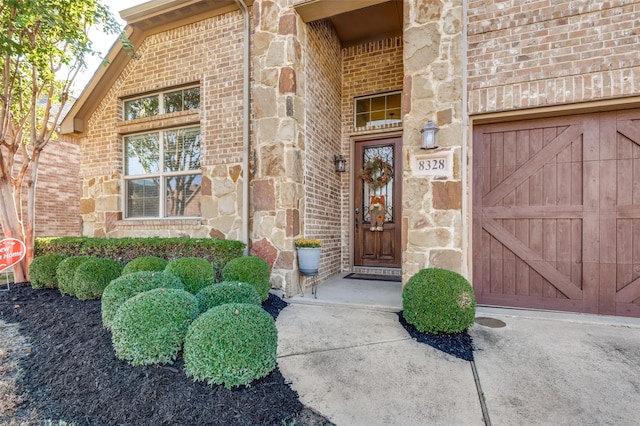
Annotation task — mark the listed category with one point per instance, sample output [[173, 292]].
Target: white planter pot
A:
[[309, 260]]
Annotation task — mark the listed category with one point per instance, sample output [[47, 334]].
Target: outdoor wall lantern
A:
[[340, 163], [429, 135]]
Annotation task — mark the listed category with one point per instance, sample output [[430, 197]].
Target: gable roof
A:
[[142, 21]]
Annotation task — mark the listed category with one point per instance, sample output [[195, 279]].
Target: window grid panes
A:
[[162, 103], [163, 179], [378, 110]]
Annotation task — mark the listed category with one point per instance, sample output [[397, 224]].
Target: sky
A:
[[102, 43]]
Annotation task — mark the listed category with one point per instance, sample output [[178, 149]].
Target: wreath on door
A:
[[376, 172]]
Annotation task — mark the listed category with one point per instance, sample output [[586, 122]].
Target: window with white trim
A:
[[162, 173], [377, 110], [183, 99]]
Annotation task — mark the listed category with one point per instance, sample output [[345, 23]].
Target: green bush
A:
[[227, 292], [145, 263], [195, 273], [439, 301], [231, 344], [66, 270], [150, 327], [249, 269], [92, 276], [126, 286], [218, 252], [42, 270]]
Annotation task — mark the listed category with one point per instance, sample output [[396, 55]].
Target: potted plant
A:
[[308, 255]]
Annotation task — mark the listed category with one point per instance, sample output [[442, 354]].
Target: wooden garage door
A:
[[556, 213]]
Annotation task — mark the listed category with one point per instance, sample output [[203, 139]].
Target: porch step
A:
[[394, 272]]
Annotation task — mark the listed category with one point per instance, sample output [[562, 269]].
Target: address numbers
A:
[[437, 164]]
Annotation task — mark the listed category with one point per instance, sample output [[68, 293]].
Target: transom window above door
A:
[[162, 173], [378, 110], [166, 102]]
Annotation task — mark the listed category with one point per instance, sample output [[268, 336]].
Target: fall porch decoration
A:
[[376, 172]]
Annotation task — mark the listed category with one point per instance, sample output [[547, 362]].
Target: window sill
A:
[[376, 129], [174, 119], [173, 223]]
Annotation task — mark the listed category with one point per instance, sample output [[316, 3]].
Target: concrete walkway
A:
[[356, 365]]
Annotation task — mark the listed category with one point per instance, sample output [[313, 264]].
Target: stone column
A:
[[277, 184], [433, 64]]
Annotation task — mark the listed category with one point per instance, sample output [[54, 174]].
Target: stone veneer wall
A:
[[208, 52], [531, 54], [277, 186], [433, 90]]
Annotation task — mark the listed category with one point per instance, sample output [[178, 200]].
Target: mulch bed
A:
[[72, 374], [459, 345]]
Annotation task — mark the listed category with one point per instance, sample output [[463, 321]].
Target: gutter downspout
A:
[[246, 112]]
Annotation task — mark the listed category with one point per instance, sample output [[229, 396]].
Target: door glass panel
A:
[[380, 160]]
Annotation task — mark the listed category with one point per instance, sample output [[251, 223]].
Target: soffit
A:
[[356, 21], [162, 13]]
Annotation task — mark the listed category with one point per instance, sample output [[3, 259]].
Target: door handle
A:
[[357, 218]]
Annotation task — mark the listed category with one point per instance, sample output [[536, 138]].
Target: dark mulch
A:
[[459, 345], [72, 374]]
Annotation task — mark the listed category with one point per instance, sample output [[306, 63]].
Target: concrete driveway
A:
[[360, 367]]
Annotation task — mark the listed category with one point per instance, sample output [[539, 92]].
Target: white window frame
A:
[[378, 95], [162, 175], [161, 94]]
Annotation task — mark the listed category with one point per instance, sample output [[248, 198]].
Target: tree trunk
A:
[[30, 216], [11, 226]]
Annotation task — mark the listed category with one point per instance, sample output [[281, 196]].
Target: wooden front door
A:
[[377, 202], [556, 213]]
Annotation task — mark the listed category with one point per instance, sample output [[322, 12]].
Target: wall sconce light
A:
[[340, 163], [429, 135]]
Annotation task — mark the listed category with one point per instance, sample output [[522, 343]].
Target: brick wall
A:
[[367, 69], [324, 196], [58, 189], [544, 52], [208, 53]]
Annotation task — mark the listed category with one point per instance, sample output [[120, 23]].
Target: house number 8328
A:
[[439, 165], [435, 164]]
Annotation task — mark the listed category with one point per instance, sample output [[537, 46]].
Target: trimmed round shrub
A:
[[231, 344], [126, 286], [42, 270], [249, 269], [227, 292], [438, 301], [196, 273], [150, 327], [66, 270], [93, 276], [145, 263]]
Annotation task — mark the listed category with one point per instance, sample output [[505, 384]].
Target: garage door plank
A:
[[533, 259], [534, 164]]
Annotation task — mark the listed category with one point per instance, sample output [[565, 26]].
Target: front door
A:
[[377, 202]]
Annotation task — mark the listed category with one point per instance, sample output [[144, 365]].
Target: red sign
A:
[[11, 252]]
